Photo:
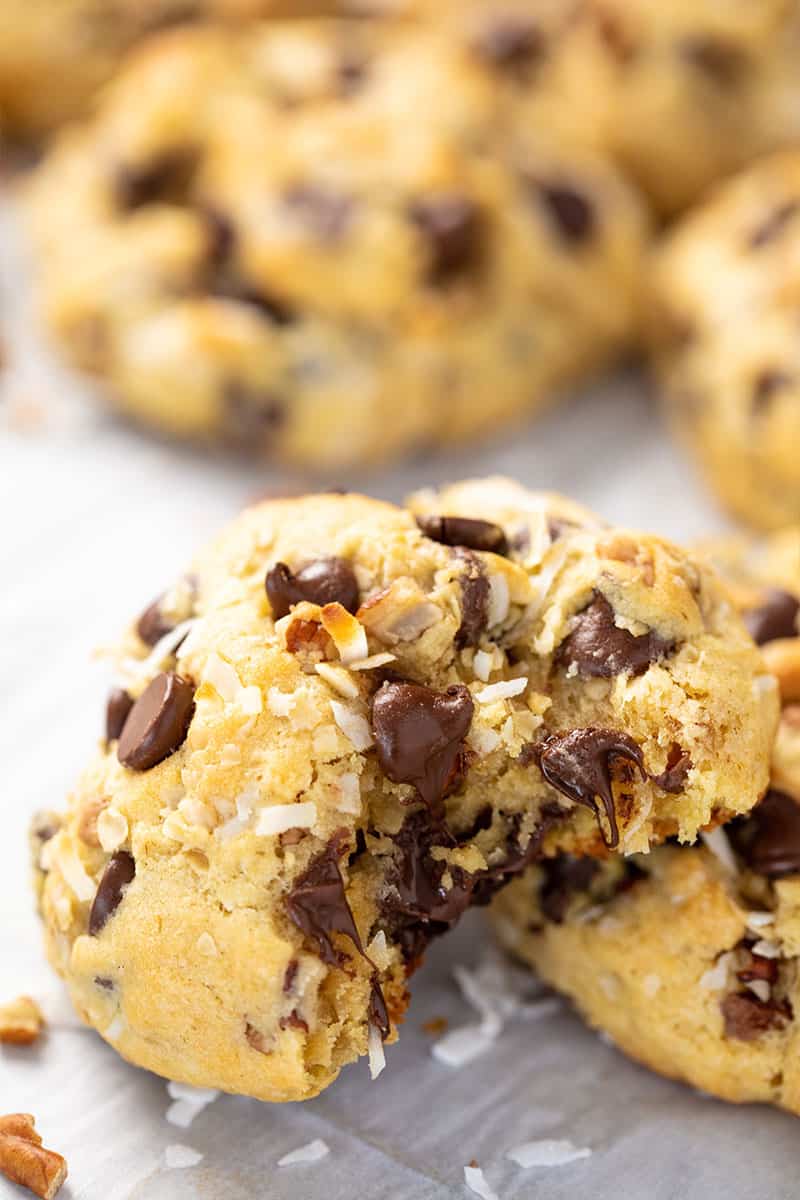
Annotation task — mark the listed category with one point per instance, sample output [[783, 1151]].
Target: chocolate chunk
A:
[[766, 386], [377, 1013], [562, 877], [118, 706], [166, 180], [454, 232], [293, 1021], [578, 764], [152, 624], [673, 778], [323, 581], [158, 722], [570, 211], [768, 839], [720, 61], [474, 599], [250, 419], [598, 647], [468, 532], [318, 906], [118, 874], [748, 1018], [775, 618], [774, 225], [510, 44], [324, 212], [419, 735], [102, 981]]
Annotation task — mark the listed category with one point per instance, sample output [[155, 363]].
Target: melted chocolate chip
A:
[[318, 906], [578, 764], [454, 231], [747, 1018], [720, 61], [775, 618], [323, 581], [673, 778], [377, 1013], [118, 706], [474, 599], [158, 722], [467, 532], [510, 44], [419, 735], [152, 624], [767, 384], [774, 225], [562, 878], [166, 180], [768, 840], [571, 212], [326, 213], [118, 874], [598, 647], [251, 418]]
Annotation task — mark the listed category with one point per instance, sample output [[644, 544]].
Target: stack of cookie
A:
[[346, 723]]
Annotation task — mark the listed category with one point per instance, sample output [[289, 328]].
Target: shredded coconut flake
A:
[[503, 690], [374, 660], [349, 798], [280, 817], [339, 679], [716, 977], [759, 988], [377, 1057], [483, 741], [279, 703], [75, 874], [499, 600], [223, 678], [112, 829], [115, 1030], [145, 668], [765, 949], [548, 1152], [309, 1153], [757, 920], [717, 842], [482, 665], [651, 985], [461, 1046], [176, 1157], [349, 635], [352, 724], [188, 1102], [475, 1180]]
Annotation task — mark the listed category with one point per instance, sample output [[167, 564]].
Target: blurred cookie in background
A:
[[724, 333], [331, 243]]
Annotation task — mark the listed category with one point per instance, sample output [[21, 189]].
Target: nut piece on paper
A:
[[21, 1021], [24, 1160]]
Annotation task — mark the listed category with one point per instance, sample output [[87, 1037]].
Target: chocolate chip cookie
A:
[[373, 284], [726, 305], [688, 957], [349, 721]]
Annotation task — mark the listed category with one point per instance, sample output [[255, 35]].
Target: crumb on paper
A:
[[187, 1102], [547, 1152], [21, 1021], [177, 1157], [475, 1180], [309, 1153]]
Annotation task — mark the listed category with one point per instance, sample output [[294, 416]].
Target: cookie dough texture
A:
[[725, 310], [258, 240], [326, 743]]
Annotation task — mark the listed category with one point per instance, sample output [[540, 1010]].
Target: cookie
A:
[[349, 721], [329, 301], [688, 957], [726, 301]]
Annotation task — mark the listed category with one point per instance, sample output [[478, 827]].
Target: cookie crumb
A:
[[435, 1026], [21, 1021]]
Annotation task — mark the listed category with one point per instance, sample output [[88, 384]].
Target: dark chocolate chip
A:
[[250, 418], [318, 906], [293, 1021], [768, 839], [767, 384], [158, 722], [474, 599], [562, 878], [102, 981], [419, 735], [775, 618], [511, 44], [118, 874], [454, 231], [748, 1018], [774, 225], [166, 180], [323, 581], [152, 624], [578, 764], [326, 213], [118, 706], [469, 532], [290, 974], [720, 61], [673, 778], [570, 211], [598, 647]]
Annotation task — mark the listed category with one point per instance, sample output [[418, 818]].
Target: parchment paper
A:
[[95, 518]]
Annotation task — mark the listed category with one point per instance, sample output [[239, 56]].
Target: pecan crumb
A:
[[24, 1160], [435, 1026], [21, 1021]]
